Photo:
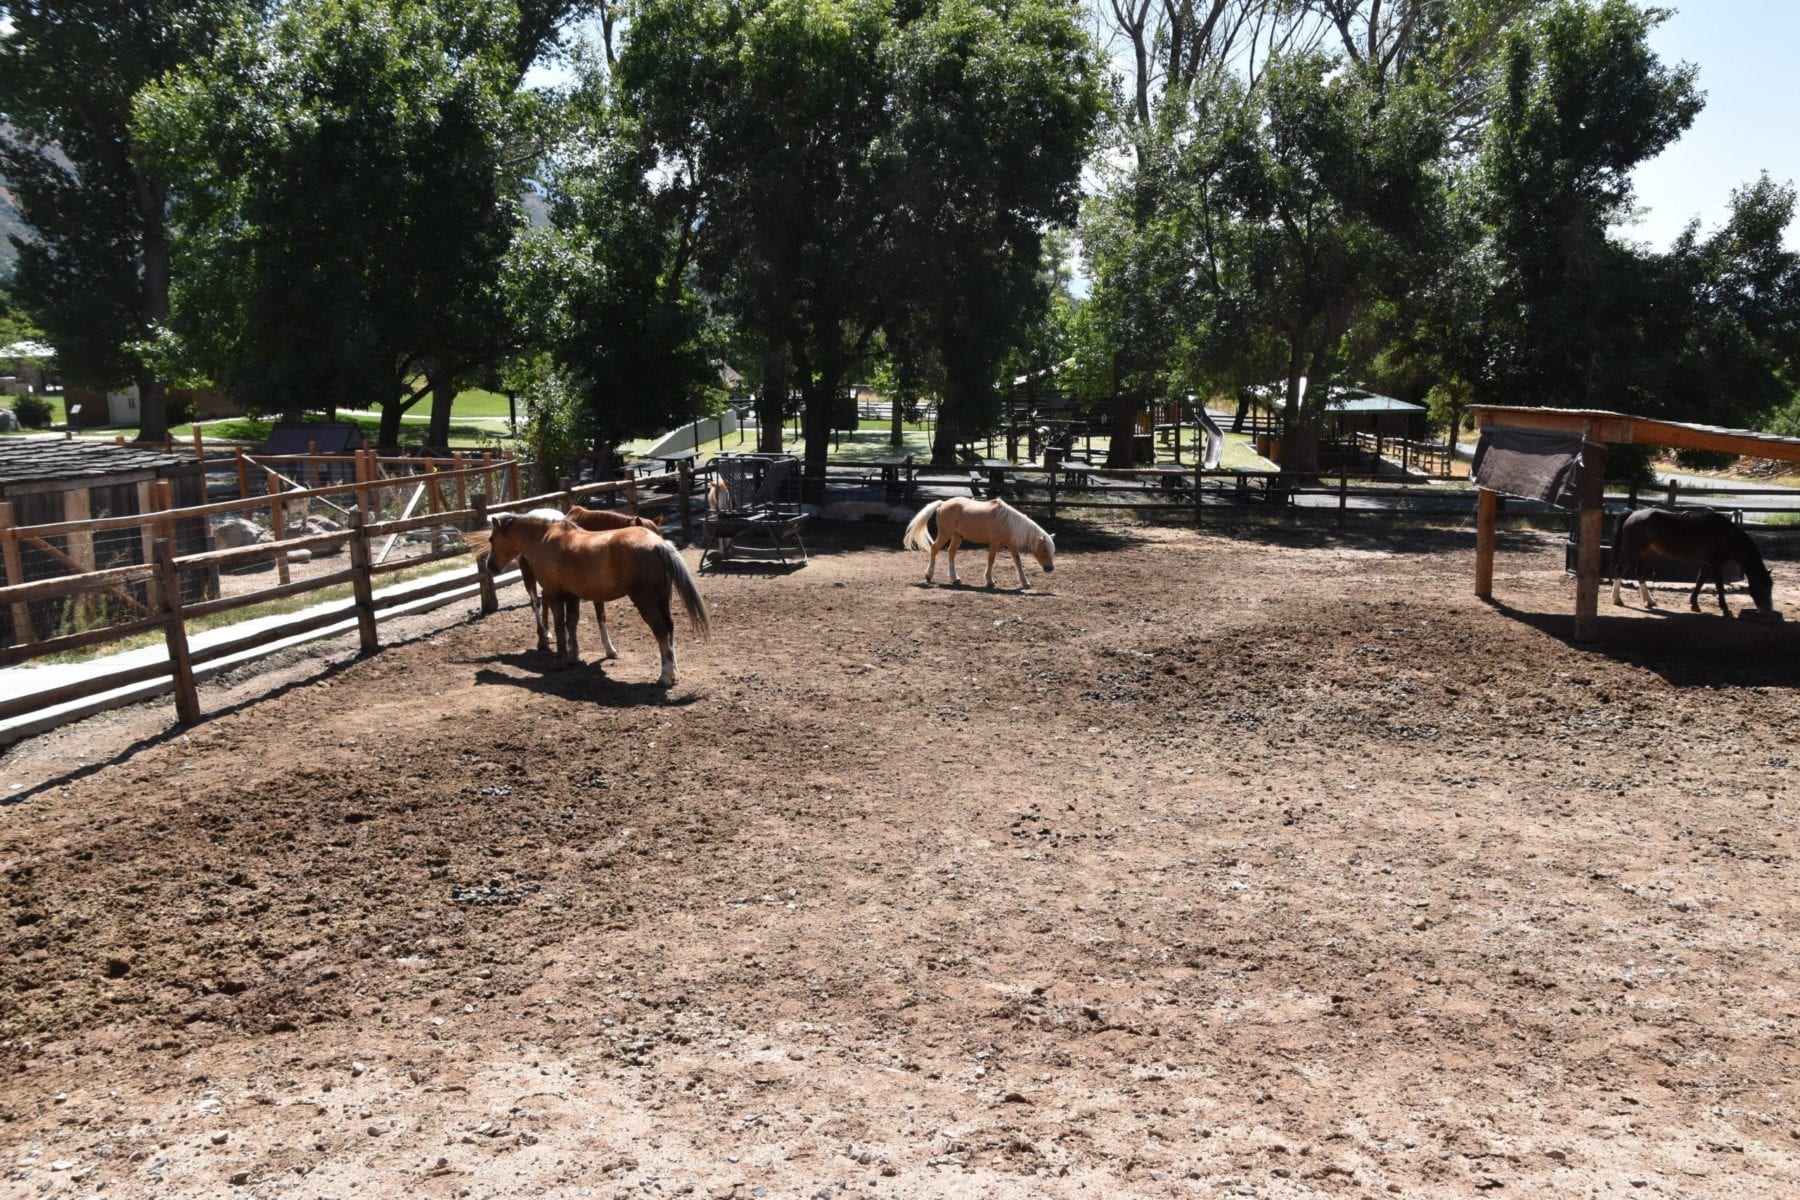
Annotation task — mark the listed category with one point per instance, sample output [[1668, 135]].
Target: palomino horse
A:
[[993, 522], [599, 520], [572, 564], [1697, 535]]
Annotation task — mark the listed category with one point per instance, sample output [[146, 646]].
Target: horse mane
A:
[[1749, 557], [550, 516], [1028, 531]]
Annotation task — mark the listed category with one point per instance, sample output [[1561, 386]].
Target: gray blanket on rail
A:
[[1531, 464]]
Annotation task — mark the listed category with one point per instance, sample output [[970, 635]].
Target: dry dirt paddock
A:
[[1235, 863]]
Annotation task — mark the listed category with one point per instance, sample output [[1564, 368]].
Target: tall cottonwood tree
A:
[[349, 185], [95, 275], [845, 160]]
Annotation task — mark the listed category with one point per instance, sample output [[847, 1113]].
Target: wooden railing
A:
[[169, 590]]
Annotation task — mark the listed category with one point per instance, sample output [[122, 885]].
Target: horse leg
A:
[[661, 620], [1719, 583], [993, 550], [605, 637], [955, 545], [1020, 567], [931, 566], [537, 608], [558, 618], [572, 610], [1618, 573]]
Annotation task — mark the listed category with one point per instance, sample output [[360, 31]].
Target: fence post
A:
[[181, 662], [568, 492], [685, 494], [1343, 497], [23, 634], [243, 474], [462, 482], [490, 601], [278, 527], [1631, 497], [1199, 487], [1052, 492], [512, 479], [148, 503], [1674, 487], [360, 583]]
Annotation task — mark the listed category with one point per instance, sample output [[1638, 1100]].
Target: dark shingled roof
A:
[[331, 437], [26, 459]]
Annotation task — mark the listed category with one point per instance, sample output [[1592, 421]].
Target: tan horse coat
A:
[[598, 520], [995, 523]]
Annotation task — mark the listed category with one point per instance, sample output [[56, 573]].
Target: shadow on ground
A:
[[1685, 649]]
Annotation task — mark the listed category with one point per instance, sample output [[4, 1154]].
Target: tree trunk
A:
[[1122, 427], [771, 398], [897, 426], [1243, 410], [443, 398], [388, 437], [815, 427], [153, 308]]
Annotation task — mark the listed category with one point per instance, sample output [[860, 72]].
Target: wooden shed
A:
[[48, 481], [313, 437]]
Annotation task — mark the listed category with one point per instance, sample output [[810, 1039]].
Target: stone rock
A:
[[232, 533]]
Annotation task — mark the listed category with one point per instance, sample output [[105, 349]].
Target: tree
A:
[[843, 160], [346, 202], [605, 290], [96, 274]]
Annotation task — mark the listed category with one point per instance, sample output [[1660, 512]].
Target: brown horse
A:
[[1697, 535], [572, 564], [599, 520], [994, 522]]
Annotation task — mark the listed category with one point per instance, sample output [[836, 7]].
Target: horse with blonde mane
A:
[[994, 523], [572, 564], [599, 520]]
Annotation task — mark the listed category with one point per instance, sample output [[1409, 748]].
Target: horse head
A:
[[1761, 585], [503, 544], [1044, 550]]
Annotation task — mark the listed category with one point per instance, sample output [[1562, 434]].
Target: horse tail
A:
[[683, 579], [916, 538]]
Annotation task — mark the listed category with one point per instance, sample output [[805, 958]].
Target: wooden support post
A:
[[490, 601], [79, 545], [1343, 497], [1674, 489], [278, 527], [1593, 519], [1486, 505], [512, 480], [1199, 487], [685, 491], [1052, 479], [462, 483], [199, 444], [23, 634], [181, 663], [568, 492], [243, 474], [361, 585], [147, 534]]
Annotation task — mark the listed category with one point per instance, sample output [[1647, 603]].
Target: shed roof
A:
[[1357, 400], [331, 437], [25, 460], [1598, 425]]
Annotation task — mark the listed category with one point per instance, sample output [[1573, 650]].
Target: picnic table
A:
[[1170, 479], [997, 470], [897, 478], [673, 460]]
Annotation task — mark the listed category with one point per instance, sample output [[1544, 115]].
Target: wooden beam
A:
[[1593, 521], [1487, 505]]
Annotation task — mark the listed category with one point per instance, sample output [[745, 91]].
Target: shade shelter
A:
[[1582, 477]]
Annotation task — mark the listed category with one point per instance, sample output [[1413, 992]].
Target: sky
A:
[[1745, 51]]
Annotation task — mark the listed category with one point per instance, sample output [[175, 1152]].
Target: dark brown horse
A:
[[572, 564], [1692, 535], [599, 520]]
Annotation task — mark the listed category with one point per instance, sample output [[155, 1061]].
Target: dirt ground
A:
[[1235, 863]]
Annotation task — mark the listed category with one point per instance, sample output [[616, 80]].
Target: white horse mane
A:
[[552, 515], [1028, 531]]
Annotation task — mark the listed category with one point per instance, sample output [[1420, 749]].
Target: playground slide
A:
[[1215, 437]]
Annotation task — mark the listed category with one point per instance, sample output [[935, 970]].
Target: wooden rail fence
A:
[[169, 607]]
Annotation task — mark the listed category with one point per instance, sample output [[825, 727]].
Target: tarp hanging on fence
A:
[[1532, 465]]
